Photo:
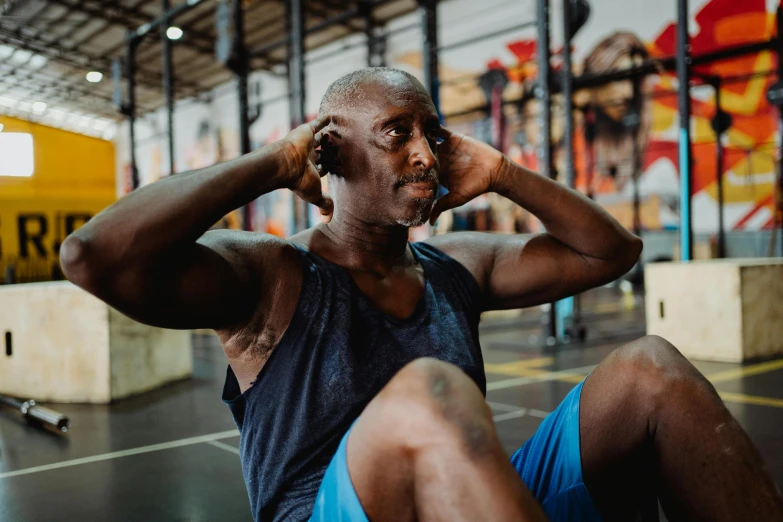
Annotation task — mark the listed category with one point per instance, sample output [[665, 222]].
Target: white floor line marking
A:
[[223, 445], [497, 385], [502, 407], [519, 412], [124, 453], [538, 413], [551, 376]]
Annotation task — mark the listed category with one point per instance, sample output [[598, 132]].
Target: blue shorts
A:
[[549, 463]]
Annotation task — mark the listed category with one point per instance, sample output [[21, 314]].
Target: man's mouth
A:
[[421, 189], [422, 185]]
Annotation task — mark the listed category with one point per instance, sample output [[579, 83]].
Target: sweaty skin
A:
[[151, 256]]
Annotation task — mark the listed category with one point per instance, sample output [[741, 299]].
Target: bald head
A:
[[350, 90]]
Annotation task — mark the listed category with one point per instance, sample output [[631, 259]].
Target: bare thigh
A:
[[426, 449]]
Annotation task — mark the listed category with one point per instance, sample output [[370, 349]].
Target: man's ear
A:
[[330, 157]]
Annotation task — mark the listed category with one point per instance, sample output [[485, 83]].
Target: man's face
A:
[[387, 144]]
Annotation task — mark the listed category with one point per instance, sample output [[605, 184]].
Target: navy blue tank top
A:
[[338, 352]]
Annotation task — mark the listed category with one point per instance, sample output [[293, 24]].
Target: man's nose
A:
[[422, 156]]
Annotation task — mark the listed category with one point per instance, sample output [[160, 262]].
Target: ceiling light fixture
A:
[[94, 76], [174, 33]]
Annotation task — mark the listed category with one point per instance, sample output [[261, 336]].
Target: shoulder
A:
[[251, 250], [473, 250], [226, 239], [462, 244]]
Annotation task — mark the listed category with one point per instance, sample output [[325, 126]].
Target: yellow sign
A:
[[31, 232], [73, 179]]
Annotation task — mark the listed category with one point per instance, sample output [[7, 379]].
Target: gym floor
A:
[[171, 455]]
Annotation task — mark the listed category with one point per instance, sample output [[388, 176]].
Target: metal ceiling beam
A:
[[131, 17], [54, 83], [28, 75], [325, 13], [107, 25], [269, 62], [95, 104], [150, 52], [83, 39], [345, 15], [46, 27], [199, 64], [80, 59], [190, 25]]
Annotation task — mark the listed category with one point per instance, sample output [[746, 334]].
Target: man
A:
[[355, 374]]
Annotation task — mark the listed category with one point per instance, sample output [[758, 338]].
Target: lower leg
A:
[[650, 422], [426, 449]]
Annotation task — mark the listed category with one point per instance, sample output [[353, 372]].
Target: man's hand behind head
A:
[[468, 168], [299, 170]]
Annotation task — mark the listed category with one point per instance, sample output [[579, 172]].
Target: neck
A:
[[364, 245]]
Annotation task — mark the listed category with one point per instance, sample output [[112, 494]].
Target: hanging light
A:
[[94, 76], [174, 33]]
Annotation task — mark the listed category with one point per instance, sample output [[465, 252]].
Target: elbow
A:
[[74, 260]]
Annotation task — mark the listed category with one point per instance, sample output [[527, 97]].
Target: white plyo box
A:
[[68, 346], [717, 310]]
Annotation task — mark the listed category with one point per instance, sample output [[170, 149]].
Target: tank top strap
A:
[[449, 275]]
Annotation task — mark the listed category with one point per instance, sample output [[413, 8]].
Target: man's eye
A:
[[398, 131]]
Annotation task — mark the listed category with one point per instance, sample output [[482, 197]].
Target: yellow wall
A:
[[73, 180]]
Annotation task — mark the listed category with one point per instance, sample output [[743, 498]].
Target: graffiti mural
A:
[[629, 129]]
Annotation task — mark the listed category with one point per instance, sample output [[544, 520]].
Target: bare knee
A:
[[659, 374], [653, 357], [438, 399]]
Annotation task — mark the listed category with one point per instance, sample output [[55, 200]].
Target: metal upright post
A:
[[241, 68], [168, 84], [542, 90], [375, 51], [130, 109], [568, 97], [775, 97], [683, 75], [241, 71], [429, 22], [296, 62], [633, 121], [721, 123], [545, 101], [296, 78]]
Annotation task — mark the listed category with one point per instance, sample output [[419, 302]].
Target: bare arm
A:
[[148, 255], [583, 246]]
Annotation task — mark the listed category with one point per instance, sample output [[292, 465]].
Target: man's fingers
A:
[[320, 122], [311, 191], [444, 133], [315, 157], [447, 202]]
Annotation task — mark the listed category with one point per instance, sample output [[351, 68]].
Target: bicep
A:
[[212, 283], [540, 269]]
